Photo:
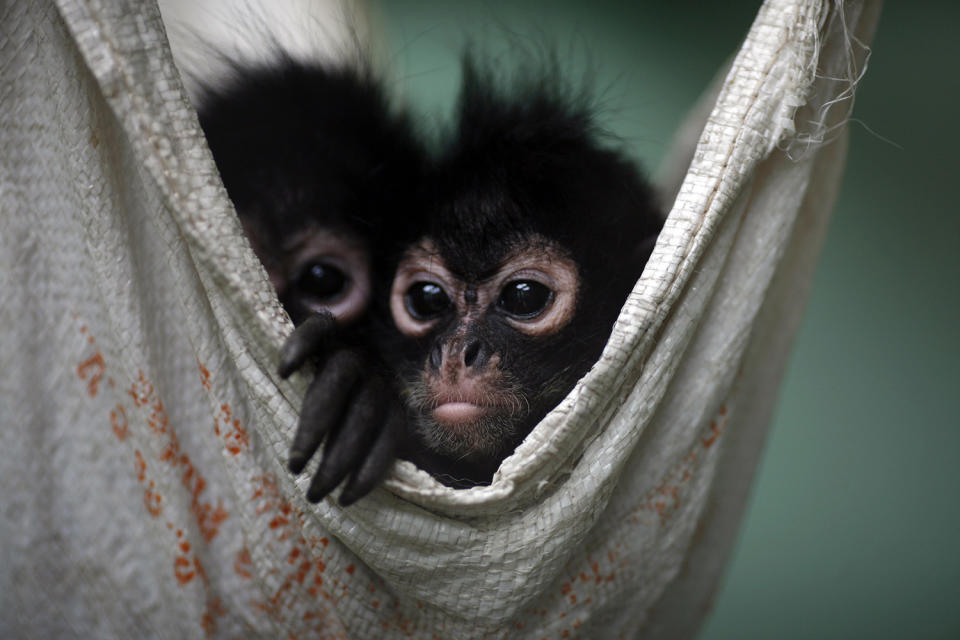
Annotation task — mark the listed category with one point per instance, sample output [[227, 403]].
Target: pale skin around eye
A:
[[342, 251], [539, 261]]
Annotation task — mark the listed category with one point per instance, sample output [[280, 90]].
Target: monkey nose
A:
[[475, 354]]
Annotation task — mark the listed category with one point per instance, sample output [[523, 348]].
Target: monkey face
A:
[[471, 384], [322, 173]]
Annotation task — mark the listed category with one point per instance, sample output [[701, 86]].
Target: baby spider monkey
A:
[[324, 174]]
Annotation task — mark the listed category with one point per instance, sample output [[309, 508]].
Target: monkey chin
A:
[[467, 431]]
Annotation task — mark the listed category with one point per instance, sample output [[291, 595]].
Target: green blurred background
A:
[[853, 523]]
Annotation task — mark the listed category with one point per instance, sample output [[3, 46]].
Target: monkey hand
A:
[[349, 404]]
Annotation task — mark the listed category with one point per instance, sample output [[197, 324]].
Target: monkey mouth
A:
[[466, 405], [455, 413]]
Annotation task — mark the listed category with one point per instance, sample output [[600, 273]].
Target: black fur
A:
[[299, 144], [524, 162], [525, 159]]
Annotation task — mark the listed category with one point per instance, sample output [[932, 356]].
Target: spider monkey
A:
[[323, 174], [534, 235]]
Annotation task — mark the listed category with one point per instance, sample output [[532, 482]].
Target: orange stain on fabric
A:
[[183, 570], [205, 377], [152, 501], [92, 371], [119, 423], [714, 434], [141, 390], [208, 621], [243, 564]]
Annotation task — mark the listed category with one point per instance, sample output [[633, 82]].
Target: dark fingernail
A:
[[318, 489], [316, 494], [297, 462], [285, 368], [347, 497]]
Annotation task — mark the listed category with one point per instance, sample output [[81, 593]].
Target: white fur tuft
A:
[[207, 35]]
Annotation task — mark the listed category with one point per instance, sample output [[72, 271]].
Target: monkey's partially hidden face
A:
[[324, 173], [320, 169], [536, 236]]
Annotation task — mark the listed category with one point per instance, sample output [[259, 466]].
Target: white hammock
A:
[[144, 431]]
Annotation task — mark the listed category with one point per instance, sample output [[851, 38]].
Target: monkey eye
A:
[[322, 280], [524, 299], [426, 300]]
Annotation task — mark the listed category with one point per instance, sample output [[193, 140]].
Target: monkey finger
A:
[[377, 462], [323, 405], [307, 340], [346, 448]]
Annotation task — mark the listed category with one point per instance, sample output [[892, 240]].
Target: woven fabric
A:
[[144, 430]]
